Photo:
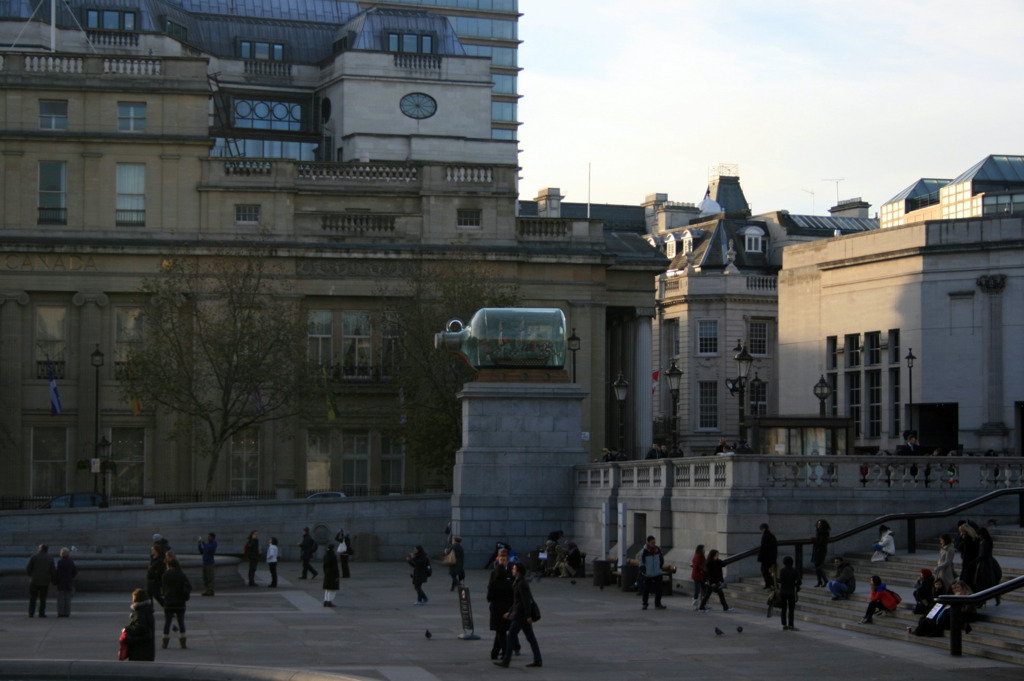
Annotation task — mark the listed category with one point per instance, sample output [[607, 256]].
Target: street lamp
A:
[[744, 360], [96, 359], [910, 380], [621, 387], [574, 346], [103, 448], [674, 375], [823, 391]]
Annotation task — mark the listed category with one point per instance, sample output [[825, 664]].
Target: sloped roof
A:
[[372, 26], [711, 252], [922, 189], [728, 193], [1009, 169]]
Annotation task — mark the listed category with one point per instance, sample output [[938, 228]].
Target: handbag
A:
[[534, 611], [122, 651], [342, 547], [449, 558]]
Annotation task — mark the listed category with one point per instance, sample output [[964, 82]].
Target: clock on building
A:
[[418, 105]]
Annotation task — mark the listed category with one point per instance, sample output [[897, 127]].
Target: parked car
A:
[[326, 495], [77, 500]]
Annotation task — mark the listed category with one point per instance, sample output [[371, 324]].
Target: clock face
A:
[[418, 105]]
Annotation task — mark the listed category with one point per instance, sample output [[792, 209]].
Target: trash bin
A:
[[602, 572], [628, 574]]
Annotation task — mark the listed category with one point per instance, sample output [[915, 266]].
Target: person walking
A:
[[41, 573], [789, 584], [457, 570], [521, 617], [697, 573], [139, 634], [272, 562], [652, 562], [819, 550], [344, 551], [208, 549], [176, 589], [420, 572], [499, 599], [715, 571], [307, 551], [768, 556], [252, 554], [65, 581], [332, 576], [155, 573]]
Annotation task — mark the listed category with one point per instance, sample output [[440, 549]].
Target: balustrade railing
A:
[[133, 67], [368, 172]]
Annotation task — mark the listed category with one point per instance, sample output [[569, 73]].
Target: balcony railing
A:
[[363, 172], [130, 218], [422, 62], [358, 223], [56, 365], [53, 216]]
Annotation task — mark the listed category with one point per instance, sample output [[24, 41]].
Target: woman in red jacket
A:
[[697, 575], [881, 599]]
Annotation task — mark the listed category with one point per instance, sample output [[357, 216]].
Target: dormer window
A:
[[411, 43], [261, 51], [753, 239], [109, 20], [670, 248], [688, 244]]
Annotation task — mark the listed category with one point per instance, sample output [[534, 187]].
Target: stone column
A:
[[993, 285], [643, 402], [513, 477]]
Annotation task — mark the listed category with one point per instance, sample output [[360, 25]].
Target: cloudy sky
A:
[[652, 94]]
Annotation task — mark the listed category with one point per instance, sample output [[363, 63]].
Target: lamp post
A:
[[744, 360], [96, 359], [103, 447], [574, 346], [621, 387], [674, 375], [910, 381], [823, 391]]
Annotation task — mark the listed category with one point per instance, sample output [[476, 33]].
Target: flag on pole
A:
[[654, 380], [134, 403], [54, 395], [332, 407], [261, 407]]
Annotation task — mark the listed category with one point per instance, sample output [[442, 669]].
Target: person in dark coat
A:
[[499, 598], [985, 571], [714, 573], [208, 549], [789, 584], [252, 554], [155, 573], [140, 632], [177, 590], [768, 555], [819, 550], [332, 576], [66, 571], [344, 551], [520, 616], [924, 592], [41, 573], [457, 571], [420, 572], [967, 545], [307, 550]]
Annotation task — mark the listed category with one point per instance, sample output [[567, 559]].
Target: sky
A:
[[651, 96]]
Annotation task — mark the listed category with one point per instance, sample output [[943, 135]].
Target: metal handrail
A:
[[957, 604]]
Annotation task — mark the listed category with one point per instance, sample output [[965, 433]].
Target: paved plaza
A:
[[586, 633]]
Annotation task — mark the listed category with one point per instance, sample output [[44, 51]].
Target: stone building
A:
[[914, 325], [360, 141]]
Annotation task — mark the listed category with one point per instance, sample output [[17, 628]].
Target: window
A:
[[390, 350], [357, 358], [49, 461], [831, 352], [128, 452], [261, 51], [318, 460], [707, 407], [266, 114], [758, 398], [247, 213], [469, 218], [873, 381], [411, 43], [504, 85], [53, 114], [853, 350], [895, 403], [853, 400], [753, 239], [670, 248], [110, 20], [53, 193], [320, 338], [131, 195], [177, 31], [832, 403], [131, 117], [502, 134], [355, 462], [707, 337], [128, 337], [245, 461], [51, 341], [873, 348], [392, 467], [894, 346], [671, 339], [687, 243], [503, 111], [758, 338]]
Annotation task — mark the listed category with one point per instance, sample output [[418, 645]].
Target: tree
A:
[[223, 348], [430, 422]]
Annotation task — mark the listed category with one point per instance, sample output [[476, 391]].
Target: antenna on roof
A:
[[812, 199], [837, 180]]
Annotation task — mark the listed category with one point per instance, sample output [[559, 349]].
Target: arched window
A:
[[753, 239]]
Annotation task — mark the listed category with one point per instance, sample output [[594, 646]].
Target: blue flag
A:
[[54, 395]]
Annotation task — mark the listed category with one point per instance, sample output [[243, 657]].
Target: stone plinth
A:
[[513, 478]]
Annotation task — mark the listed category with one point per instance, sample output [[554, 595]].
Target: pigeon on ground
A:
[[739, 630], [718, 632], [428, 633], [572, 581]]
